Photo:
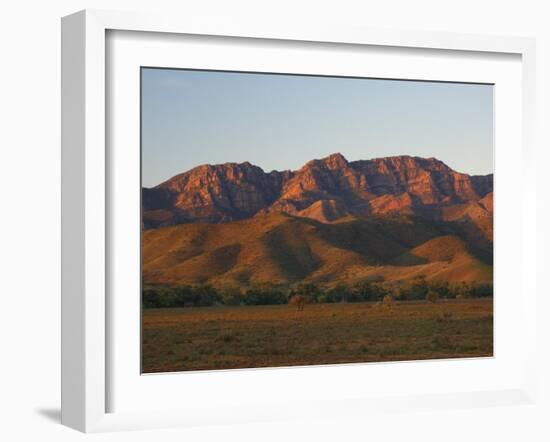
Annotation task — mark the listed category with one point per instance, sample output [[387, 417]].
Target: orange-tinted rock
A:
[[324, 189]]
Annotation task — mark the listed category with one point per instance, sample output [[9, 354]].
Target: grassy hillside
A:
[[281, 249]]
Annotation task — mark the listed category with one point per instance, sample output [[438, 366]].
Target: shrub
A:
[[167, 298], [270, 294], [307, 289], [387, 300], [483, 291], [231, 295], [441, 288], [334, 294], [150, 298], [183, 295], [416, 289], [400, 294], [471, 290], [432, 296], [205, 295], [444, 317], [368, 291], [463, 289], [264, 296]]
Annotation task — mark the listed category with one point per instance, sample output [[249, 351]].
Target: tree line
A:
[[268, 294]]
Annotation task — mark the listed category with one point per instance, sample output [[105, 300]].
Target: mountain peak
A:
[[333, 161], [336, 156], [232, 191]]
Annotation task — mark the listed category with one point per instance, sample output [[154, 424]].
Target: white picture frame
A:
[[86, 356]]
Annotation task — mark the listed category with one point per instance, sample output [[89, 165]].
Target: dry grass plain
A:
[[214, 338]]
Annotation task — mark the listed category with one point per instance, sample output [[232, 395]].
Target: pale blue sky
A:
[[282, 121]]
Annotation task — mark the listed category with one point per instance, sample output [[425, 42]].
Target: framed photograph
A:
[[313, 258], [280, 223]]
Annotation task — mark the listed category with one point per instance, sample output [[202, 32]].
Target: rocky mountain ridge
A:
[[326, 190]]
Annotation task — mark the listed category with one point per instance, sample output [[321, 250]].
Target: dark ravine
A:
[[326, 190]]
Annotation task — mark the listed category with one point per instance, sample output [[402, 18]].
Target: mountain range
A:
[[331, 221]]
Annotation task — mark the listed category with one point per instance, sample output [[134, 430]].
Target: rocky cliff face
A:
[[325, 189]]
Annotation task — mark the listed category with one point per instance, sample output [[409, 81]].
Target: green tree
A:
[[334, 294], [441, 287], [369, 291], [462, 290], [167, 297], [309, 290], [418, 288], [231, 295], [264, 295], [150, 298], [183, 295], [205, 295]]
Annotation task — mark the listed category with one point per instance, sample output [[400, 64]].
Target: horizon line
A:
[[306, 163]]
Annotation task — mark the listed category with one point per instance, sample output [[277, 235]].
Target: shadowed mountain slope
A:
[[284, 249]]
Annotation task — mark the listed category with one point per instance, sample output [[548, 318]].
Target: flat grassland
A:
[[214, 338]]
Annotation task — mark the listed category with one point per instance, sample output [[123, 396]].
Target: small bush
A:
[[432, 296], [443, 317], [226, 337]]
